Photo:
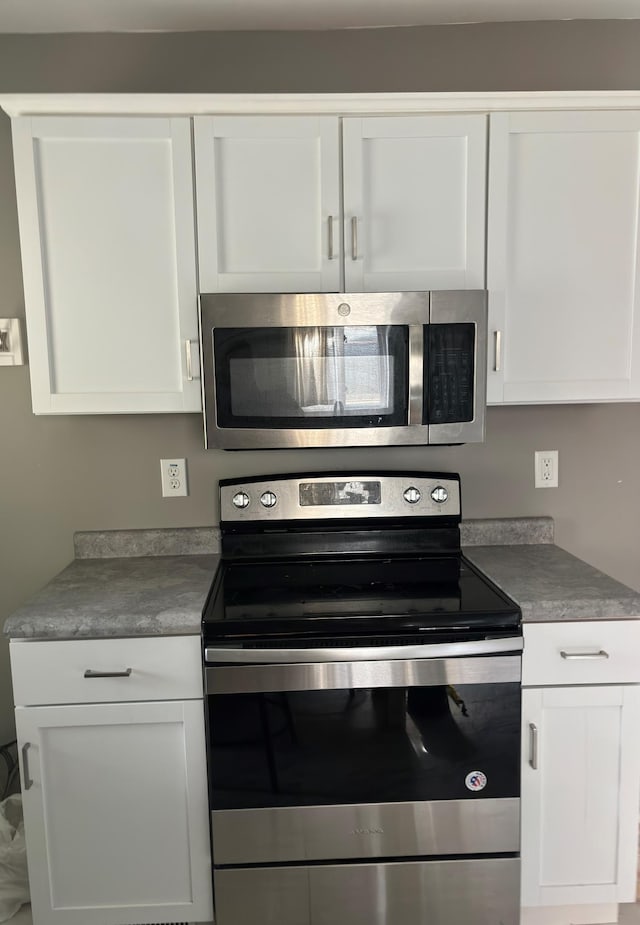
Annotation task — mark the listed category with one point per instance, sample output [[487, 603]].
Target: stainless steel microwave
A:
[[345, 369]]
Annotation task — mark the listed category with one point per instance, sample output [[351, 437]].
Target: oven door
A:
[[383, 758]]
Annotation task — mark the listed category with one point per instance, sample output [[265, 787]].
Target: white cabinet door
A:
[[116, 815], [562, 261], [268, 203], [414, 203], [108, 250], [580, 780]]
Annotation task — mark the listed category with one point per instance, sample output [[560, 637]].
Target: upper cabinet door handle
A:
[[498, 351], [330, 254], [187, 350], [354, 238]]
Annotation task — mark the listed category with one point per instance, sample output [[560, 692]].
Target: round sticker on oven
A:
[[476, 780]]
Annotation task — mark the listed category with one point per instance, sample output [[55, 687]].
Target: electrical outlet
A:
[[546, 468], [174, 478]]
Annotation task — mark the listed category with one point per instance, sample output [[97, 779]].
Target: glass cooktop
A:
[[353, 596]]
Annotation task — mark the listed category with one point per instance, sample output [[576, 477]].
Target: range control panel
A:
[[327, 497]]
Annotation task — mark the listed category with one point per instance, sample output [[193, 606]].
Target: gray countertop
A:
[[127, 596], [134, 583], [550, 584]]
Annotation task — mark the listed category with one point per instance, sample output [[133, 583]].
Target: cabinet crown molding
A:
[[181, 104]]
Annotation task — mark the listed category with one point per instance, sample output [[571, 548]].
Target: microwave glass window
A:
[[311, 376], [449, 356]]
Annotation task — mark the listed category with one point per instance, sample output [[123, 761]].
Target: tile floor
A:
[[629, 915]]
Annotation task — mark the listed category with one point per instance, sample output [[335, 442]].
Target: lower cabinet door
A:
[[580, 783], [115, 806]]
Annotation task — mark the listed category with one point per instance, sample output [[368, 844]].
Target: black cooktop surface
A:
[[354, 596]]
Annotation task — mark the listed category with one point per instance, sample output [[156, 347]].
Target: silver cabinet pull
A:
[[27, 780], [354, 238], [533, 746], [330, 254], [187, 350], [579, 655], [498, 351], [89, 673]]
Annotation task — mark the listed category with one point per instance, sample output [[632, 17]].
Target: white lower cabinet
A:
[[580, 772], [115, 804]]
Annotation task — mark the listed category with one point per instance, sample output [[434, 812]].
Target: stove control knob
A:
[[268, 499], [439, 494], [241, 499], [412, 495]]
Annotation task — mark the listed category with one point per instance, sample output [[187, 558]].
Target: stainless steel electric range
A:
[[363, 703]]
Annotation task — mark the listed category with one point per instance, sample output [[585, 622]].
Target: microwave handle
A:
[[416, 374]]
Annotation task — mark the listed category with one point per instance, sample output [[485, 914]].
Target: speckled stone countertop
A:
[[155, 582], [550, 584], [128, 596]]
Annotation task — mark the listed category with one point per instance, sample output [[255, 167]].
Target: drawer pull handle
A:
[[108, 674], [533, 746], [28, 781], [599, 654]]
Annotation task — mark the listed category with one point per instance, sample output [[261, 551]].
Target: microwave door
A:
[[455, 367], [313, 385]]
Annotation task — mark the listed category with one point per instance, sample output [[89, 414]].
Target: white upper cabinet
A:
[[414, 202], [562, 259], [269, 203], [268, 198], [108, 250]]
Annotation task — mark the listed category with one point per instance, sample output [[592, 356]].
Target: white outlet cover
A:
[[546, 468], [173, 474]]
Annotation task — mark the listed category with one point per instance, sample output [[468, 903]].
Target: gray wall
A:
[[63, 474]]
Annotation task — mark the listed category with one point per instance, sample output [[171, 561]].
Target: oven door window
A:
[[311, 377], [312, 748]]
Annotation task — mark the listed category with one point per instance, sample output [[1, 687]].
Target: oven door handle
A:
[[323, 676], [239, 656]]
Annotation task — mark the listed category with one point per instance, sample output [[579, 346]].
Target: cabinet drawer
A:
[[166, 668], [589, 652]]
